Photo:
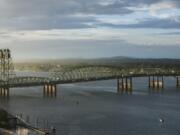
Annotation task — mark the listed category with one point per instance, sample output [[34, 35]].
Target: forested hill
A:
[[46, 65]]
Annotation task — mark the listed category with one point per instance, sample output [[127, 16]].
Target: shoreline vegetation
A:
[[119, 62]]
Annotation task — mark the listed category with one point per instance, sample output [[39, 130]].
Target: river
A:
[[94, 108]]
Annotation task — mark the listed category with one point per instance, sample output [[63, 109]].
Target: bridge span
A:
[[124, 77], [124, 82]]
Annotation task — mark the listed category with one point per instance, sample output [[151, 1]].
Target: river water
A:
[[94, 108]]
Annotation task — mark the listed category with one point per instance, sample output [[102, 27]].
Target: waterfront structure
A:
[[124, 77]]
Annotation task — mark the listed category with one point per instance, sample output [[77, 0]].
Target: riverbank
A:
[[10, 124], [6, 123]]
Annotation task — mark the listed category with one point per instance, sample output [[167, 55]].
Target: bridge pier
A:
[[4, 92], [156, 82], [50, 90], [178, 81], [124, 85]]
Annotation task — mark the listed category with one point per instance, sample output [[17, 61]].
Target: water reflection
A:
[[22, 131]]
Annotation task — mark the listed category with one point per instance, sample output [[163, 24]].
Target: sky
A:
[[56, 29]]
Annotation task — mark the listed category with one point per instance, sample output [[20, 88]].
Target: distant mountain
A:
[[122, 62], [115, 61]]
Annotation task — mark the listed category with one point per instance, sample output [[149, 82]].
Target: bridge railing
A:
[[88, 73]]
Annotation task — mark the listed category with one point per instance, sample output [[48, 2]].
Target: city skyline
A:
[[90, 29]]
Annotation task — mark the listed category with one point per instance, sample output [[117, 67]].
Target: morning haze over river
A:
[[89, 67]]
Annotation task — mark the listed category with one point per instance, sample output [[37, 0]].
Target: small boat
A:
[[161, 120]]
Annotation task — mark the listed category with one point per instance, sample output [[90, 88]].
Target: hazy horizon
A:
[[84, 58]]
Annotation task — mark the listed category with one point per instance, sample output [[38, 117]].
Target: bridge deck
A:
[[39, 81]]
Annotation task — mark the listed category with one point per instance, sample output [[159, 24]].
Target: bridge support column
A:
[[124, 85], [50, 90], [156, 82], [4, 92], [1, 91], [177, 81], [149, 80]]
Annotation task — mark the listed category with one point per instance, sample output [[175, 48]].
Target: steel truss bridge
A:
[[8, 78]]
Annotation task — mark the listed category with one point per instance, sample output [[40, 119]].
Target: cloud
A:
[[46, 22], [132, 36], [42, 23], [62, 34], [147, 23], [170, 33], [164, 5], [70, 14], [62, 14]]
